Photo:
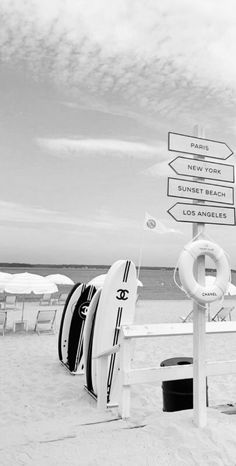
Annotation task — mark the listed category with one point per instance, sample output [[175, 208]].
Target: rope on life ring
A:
[[203, 294]]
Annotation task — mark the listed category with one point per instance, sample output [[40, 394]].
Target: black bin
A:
[[178, 394]]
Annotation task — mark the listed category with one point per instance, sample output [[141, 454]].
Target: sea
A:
[[158, 283]]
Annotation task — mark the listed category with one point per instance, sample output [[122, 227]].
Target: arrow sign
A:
[[200, 191], [202, 213], [203, 169], [198, 146]]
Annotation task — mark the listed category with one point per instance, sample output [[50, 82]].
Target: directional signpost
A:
[[199, 213], [200, 191], [198, 146], [202, 213], [201, 168]]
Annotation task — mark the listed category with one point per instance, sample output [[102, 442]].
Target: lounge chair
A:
[[3, 321], [188, 317], [10, 302], [45, 300], [62, 298], [223, 314], [45, 319]]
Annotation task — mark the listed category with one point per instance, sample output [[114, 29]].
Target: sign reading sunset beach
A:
[[200, 191]]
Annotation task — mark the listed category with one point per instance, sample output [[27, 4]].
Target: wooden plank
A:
[[102, 370], [125, 367], [160, 374], [221, 367], [165, 330], [112, 350]]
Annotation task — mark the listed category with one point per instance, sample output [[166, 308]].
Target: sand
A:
[[48, 419]]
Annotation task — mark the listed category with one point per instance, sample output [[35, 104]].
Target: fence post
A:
[[102, 363], [125, 365]]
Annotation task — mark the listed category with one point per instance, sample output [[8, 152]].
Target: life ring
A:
[[204, 294]]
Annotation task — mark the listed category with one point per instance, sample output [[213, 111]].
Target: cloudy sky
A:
[[89, 90]]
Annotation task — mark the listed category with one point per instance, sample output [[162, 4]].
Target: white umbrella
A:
[[4, 278], [99, 281], [26, 283], [210, 280], [60, 279], [231, 289]]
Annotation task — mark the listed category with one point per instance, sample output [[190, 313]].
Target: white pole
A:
[[140, 258], [199, 331]]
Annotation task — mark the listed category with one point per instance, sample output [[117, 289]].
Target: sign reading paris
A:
[[198, 146]]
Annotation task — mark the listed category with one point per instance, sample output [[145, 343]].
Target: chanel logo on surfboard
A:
[[122, 295], [83, 309]]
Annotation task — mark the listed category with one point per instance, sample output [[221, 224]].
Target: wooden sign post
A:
[[200, 213], [199, 331]]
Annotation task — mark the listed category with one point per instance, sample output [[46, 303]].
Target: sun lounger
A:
[[62, 298], [10, 302], [3, 321], [45, 321], [45, 300], [188, 317], [223, 314]]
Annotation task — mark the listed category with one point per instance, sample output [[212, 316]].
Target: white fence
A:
[[129, 376]]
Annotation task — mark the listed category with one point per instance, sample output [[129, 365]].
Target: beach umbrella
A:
[[26, 283], [231, 289], [60, 279], [99, 281], [4, 278]]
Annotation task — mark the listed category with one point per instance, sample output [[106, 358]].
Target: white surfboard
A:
[[116, 306], [66, 322]]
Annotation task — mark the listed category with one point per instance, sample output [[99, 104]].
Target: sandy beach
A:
[[47, 418]]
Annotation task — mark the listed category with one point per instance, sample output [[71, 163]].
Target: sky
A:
[[89, 91]]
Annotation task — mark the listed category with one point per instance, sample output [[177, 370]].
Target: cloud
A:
[[158, 170], [164, 57], [19, 214], [64, 147], [162, 229]]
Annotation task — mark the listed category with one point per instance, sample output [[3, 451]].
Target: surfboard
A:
[[67, 314], [75, 360], [116, 306], [88, 339]]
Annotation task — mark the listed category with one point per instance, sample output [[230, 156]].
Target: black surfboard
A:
[[63, 319], [75, 341]]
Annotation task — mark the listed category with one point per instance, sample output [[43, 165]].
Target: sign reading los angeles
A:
[[198, 146], [200, 191], [202, 213], [203, 169]]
